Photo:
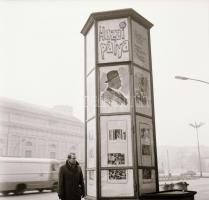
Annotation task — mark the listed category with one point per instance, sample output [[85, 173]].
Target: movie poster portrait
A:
[[114, 89], [116, 159], [113, 45], [145, 142], [147, 175], [142, 90]]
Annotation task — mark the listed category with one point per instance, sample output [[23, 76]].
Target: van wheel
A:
[[40, 190], [20, 188], [54, 187], [5, 193]]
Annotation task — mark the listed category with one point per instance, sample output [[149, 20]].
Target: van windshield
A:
[[54, 166]]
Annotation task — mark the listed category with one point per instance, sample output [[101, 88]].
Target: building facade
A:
[[28, 130]]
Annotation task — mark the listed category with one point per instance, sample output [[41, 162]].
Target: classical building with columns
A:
[[28, 130]]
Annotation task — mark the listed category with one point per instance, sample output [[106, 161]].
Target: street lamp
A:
[[187, 78], [196, 126]]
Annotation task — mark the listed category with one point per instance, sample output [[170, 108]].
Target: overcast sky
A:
[[42, 58]]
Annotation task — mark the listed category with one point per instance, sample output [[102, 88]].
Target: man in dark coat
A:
[[71, 184]]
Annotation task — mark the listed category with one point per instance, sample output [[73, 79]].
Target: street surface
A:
[[199, 185]]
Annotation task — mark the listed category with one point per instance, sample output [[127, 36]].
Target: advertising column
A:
[[119, 114]]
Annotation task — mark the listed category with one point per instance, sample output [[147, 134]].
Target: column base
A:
[[169, 195]]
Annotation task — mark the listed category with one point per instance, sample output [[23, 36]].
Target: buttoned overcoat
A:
[[71, 183]]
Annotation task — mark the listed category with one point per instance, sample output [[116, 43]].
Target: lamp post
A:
[[187, 78], [196, 126]]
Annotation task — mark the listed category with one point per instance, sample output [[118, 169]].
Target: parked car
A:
[[189, 173]]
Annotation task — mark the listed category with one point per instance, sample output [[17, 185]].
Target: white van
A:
[[20, 174]]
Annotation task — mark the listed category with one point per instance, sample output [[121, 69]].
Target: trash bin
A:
[[168, 186], [181, 186]]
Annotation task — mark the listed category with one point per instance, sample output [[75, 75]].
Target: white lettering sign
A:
[[113, 45]]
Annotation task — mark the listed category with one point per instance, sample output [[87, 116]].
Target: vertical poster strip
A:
[[91, 144], [91, 96], [140, 45], [145, 142], [91, 186], [90, 50], [147, 180], [142, 89]]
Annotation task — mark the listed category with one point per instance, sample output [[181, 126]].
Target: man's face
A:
[[72, 160], [115, 83]]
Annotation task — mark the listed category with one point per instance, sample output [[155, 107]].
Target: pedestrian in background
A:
[[71, 184]]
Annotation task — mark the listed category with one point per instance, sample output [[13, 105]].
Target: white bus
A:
[[20, 174]]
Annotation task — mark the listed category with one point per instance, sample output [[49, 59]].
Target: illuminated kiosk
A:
[[120, 142]]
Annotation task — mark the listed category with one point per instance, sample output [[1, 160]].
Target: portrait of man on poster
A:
[[112, 92]]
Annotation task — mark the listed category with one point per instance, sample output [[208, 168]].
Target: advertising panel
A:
[[91, 144], [90, 50], [114, 89], [145, 143], [91, 183], [142, 88], [91, 96], [147, 181], [113, 45], [140, 45], [117, 182], [116, 145]]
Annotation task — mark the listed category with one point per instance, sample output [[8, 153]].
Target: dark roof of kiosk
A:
[[112, 14]]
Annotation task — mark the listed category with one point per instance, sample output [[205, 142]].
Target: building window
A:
[[1, 141], [1, 152], [53, 146], [28, 144], [28, 153], [52, 154]]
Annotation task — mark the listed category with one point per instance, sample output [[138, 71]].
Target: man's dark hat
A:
[[111, 75], [70, 155]]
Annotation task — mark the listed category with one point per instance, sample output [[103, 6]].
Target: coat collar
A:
[[69, 165]]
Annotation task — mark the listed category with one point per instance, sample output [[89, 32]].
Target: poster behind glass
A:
[[145, 142], [116, 144], [114, 89], [113, 44], [143, 100], [147, 180], [117, 182], [140, 45], [91, 96], [91, 143], [91, 183], [90, 50]]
